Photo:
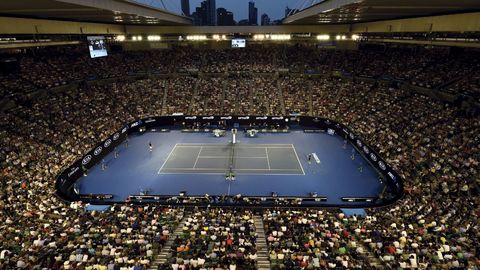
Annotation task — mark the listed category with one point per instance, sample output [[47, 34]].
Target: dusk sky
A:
[[274, 8]]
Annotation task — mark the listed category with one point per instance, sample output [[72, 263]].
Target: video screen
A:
[[97, 46], [239, 43]]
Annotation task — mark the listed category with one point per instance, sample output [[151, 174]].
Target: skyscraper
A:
[[265, 20], [186, 7], [206, 13], [224, 17], [211, 9], [252, 13]]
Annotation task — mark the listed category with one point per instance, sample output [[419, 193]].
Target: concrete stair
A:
[[310, 98], [165, 254], [280, 95], [192, 99], [263, 262], [164, 101], [373, 261]]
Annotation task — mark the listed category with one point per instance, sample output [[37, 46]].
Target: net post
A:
[[234, 136]]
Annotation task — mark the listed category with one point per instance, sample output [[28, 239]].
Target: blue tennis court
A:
[[196, 163], [243, 159]]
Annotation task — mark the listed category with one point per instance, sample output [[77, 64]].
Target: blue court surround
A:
[[136, 169]]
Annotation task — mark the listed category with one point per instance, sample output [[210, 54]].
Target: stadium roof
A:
[[356, 11], [104, 11]]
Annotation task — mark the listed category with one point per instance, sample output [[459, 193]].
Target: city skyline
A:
[[275, 9]]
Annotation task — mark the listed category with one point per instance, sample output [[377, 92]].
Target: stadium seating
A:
[[433, 145]]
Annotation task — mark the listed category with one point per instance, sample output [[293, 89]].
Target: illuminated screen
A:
[[97, 46], [239, 43]]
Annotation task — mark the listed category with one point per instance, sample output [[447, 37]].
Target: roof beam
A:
[[131, 7], [314, 10]]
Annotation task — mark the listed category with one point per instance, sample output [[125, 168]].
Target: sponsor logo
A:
[[86, 159], [365, 149], [382, 165], [72, 171], [208, 117], [150, 120], [225, 117], [116, 136], [261, 118], [97, 151], [373, 157], [243, 117], [391, 175], [107, 143], [135, 124], [190, 117], [124, 129], [277, 118], [359, 143]]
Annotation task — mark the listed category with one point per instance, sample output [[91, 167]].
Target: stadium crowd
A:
[[215, 238], [432, 144]]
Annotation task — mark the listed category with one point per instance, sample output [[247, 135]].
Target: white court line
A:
[[227, 157], [268, 160], [219, 169], [239, 147], [222, 144], [198, 155], [168, 157], [298, 158], [223, 173]]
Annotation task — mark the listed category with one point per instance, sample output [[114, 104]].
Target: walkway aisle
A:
[[309, 98], [371, 258], [280, 94], [164, 101], [165, 254], [192, 99], [224, 90], [262, 250]]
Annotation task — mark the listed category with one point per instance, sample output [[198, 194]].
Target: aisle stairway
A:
[[164, 254], [262, 250], [309, 98], [280, 95], [165, 94], [192, 98], [373, 261]]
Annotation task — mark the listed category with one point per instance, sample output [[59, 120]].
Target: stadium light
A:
[[197, 37], [323, 37], [355, 37], [259, 37], [340, 37], [154, 38], [219, 37], [120, 38], [137, 38], [280, 37]]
